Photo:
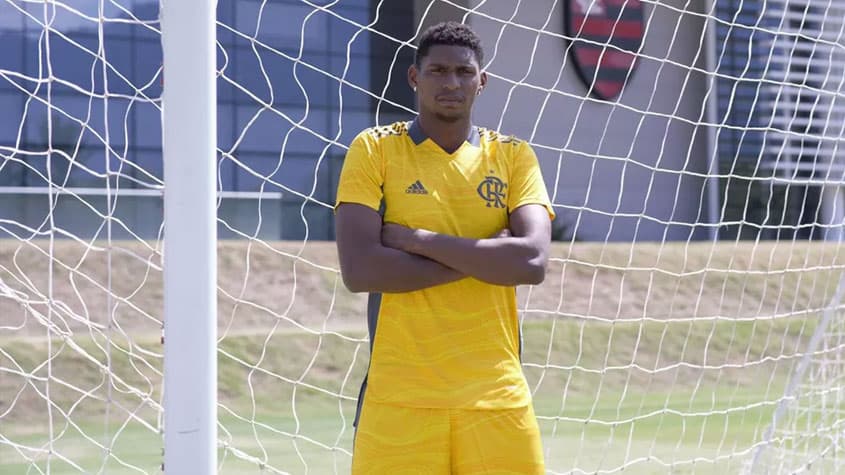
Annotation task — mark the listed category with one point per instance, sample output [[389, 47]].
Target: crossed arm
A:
[[387, 257]]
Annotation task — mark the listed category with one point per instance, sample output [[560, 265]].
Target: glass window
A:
[[86, 169], [225, 125], [330, 172], [358, 75], [262, 129], [225, 14], [77, 109], [34, 170], [12, 104], [73, 63], [225, 92], [146, 119], [119, 73], [314, 85], [325, 168], [120, 123], [32, 21], [247, 74], [308, 139], [357, 11], [245, 16], [35, 125], [147, 71], [295, 172], [11, 21], [226, 174], [268, 131], [253, 170], [150, 161], [13, 52], [250, 74], [144, 10], [12, 171], [32, 57], [344, 30], [134, 52], [14, 46], [353, 123], [113, 30], [283, 24], [65, 20]]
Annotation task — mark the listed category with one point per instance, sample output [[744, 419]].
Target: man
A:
[[466, 218]]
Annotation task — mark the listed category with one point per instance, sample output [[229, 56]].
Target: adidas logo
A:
[[416, 188]]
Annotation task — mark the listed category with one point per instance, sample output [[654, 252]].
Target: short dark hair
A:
[[450, 33]]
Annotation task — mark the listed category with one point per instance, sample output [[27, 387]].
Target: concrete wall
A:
[[621, 171]]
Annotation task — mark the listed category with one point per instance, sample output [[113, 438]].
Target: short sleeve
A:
[[526, 181], [362, 177]]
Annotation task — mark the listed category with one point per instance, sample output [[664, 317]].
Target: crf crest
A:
[[492, 190]]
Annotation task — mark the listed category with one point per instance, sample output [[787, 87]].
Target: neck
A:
[[448, 135]]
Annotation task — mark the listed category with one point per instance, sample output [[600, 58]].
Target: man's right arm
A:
[[368, 266]]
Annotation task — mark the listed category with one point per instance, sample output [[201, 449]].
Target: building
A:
[[632, 168], [780, 99]]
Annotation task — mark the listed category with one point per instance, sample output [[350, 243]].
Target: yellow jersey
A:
[[455, 345]]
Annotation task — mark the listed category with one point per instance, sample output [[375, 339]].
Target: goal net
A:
[[690, 320]]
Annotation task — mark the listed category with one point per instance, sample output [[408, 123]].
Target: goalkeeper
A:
[[439, 220]]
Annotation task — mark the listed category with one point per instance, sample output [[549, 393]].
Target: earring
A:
[[415, 88]]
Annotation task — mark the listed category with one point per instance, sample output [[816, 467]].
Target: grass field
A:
[[668, 438], [655, 359], [590, 421]]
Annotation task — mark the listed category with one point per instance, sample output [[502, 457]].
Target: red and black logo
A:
[[605, 36]]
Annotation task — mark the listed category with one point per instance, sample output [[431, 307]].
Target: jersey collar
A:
[[418, 136]]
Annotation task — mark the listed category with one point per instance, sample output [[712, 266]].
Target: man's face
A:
[[447, 81]]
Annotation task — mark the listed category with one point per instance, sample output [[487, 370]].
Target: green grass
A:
[[651, 395], [598, 409], [569, 444]]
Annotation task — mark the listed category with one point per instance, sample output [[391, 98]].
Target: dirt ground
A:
[[293, 285]]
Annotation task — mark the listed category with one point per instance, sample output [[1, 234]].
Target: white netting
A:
[[79, 364], [649, 348]]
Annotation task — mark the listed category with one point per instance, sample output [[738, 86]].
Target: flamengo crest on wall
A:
[[605, 36]]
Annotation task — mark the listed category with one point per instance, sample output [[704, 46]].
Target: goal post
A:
[[776, 451], [189, 133]]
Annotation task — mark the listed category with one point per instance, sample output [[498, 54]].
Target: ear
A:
[[483, 83], [412, 76]]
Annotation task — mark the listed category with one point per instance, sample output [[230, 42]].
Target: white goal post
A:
[[189, 146]]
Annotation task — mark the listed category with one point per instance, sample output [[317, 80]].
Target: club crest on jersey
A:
[[604, 36], [492, 190]]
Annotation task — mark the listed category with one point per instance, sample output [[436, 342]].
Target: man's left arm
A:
[[517, 259]]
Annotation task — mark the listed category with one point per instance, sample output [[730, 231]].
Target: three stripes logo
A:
[[605, 37], [416, 188]]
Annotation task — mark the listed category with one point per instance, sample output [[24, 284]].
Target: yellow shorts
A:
[[402, 440]]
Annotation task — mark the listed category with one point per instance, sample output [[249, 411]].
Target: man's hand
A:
[[515, 255], [400, 237], [408, 239], [367, 265]]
